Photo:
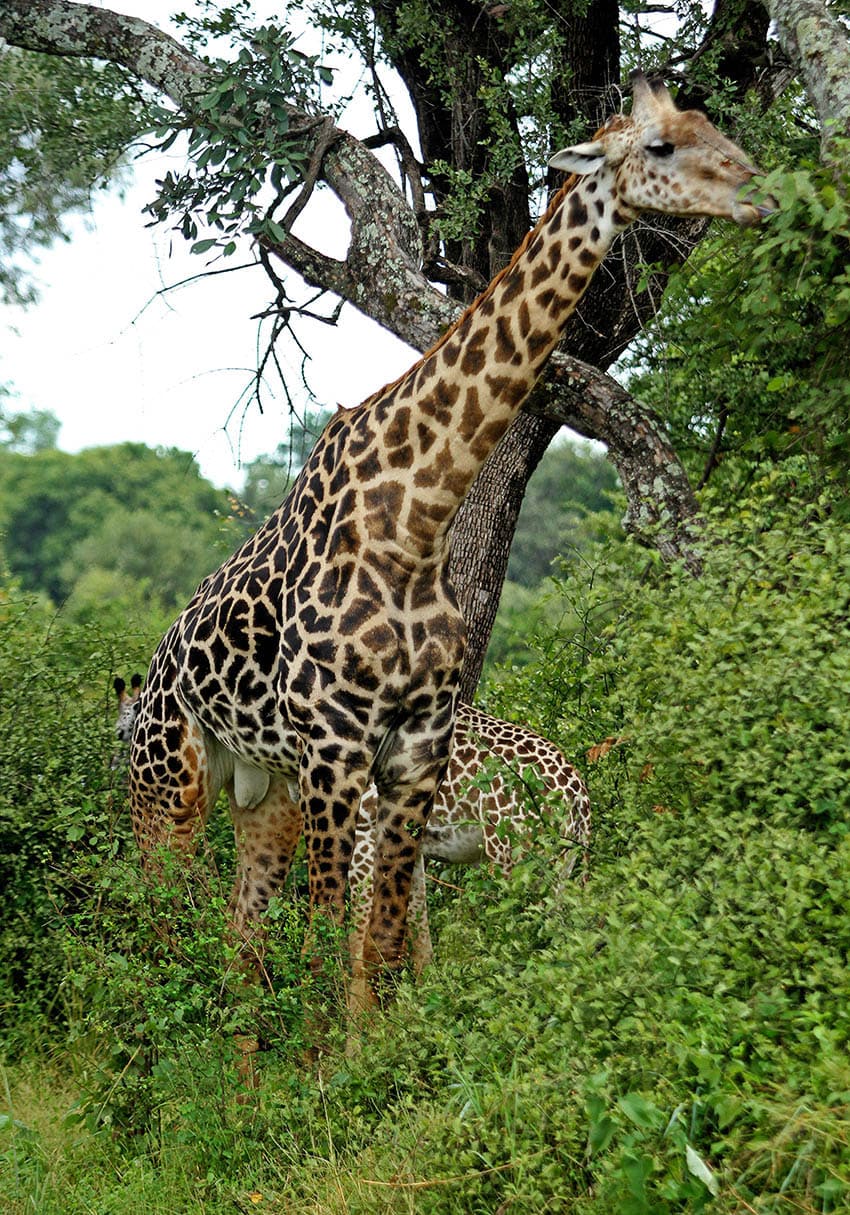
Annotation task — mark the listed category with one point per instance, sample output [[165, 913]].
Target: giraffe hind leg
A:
[[266, 834], [418, 929]]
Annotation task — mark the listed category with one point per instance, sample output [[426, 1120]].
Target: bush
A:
[[671, 1037], [61, 810]]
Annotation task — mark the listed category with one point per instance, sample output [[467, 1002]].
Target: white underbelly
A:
[[461, 844]]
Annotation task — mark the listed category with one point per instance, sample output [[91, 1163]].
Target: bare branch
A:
[[327, 137]]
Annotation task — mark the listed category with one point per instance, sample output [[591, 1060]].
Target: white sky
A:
[[115, 360]]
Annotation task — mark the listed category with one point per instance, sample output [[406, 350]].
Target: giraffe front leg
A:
[[412, 765], [332, 783], [401, 818], [361, 889]]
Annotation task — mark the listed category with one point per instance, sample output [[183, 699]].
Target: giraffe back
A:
[[501, 781]]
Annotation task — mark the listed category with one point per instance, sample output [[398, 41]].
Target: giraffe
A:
[[526, 779], [525, 776], [324, 654], [128, 707]]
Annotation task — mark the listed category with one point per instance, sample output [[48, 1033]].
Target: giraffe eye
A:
[[661, 148]]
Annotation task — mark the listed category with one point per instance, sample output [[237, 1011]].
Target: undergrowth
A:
[[670, 1037]]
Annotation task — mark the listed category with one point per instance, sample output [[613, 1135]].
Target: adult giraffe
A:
[[325, 653]]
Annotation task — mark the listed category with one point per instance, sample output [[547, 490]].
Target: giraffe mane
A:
[[554, 203]]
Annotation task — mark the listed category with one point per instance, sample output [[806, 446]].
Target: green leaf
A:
[[278, 232], [602, 1131], [641, 1112], [698, 1167]]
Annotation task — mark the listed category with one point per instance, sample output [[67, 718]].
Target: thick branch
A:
[[816, 41], [384, 231], [58, 27], [662, 506]]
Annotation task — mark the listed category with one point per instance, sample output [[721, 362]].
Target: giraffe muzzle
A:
[[752, 207]]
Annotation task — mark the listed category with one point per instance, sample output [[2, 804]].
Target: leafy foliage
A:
[[56, 740], [241, 137], [562, 511], [750, 356], [671, 1037], [117, 522], [28, 432], [64, 128]]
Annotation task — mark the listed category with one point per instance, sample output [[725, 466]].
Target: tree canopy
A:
[[122, 521], [65, 125], [493, 90]]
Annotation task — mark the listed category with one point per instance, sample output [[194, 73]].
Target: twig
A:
[[429, 877], [328, 136], [711, 462], [440, 270]]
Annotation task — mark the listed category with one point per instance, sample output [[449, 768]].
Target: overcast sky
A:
[[116, 358]]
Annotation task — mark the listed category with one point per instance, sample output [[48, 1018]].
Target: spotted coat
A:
[[324, 654], [502, 784]]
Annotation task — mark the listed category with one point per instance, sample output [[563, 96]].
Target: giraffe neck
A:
[[438, 423]]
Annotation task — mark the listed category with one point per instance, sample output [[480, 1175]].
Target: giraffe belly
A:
[[278, 754], [461, 844], [253, 736]]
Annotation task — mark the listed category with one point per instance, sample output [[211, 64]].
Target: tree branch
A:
[[57, 27], [815, 40], [410, 165]]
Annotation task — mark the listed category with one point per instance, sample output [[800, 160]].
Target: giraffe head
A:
[[128, 708], [669, 160]]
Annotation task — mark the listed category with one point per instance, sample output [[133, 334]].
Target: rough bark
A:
[[483, 532], [816, 42]]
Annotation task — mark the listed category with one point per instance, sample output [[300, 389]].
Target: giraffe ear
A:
[[583, 158]]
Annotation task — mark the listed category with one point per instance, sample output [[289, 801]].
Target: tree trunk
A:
[[382, 272], [816, 42], [483, 531]]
